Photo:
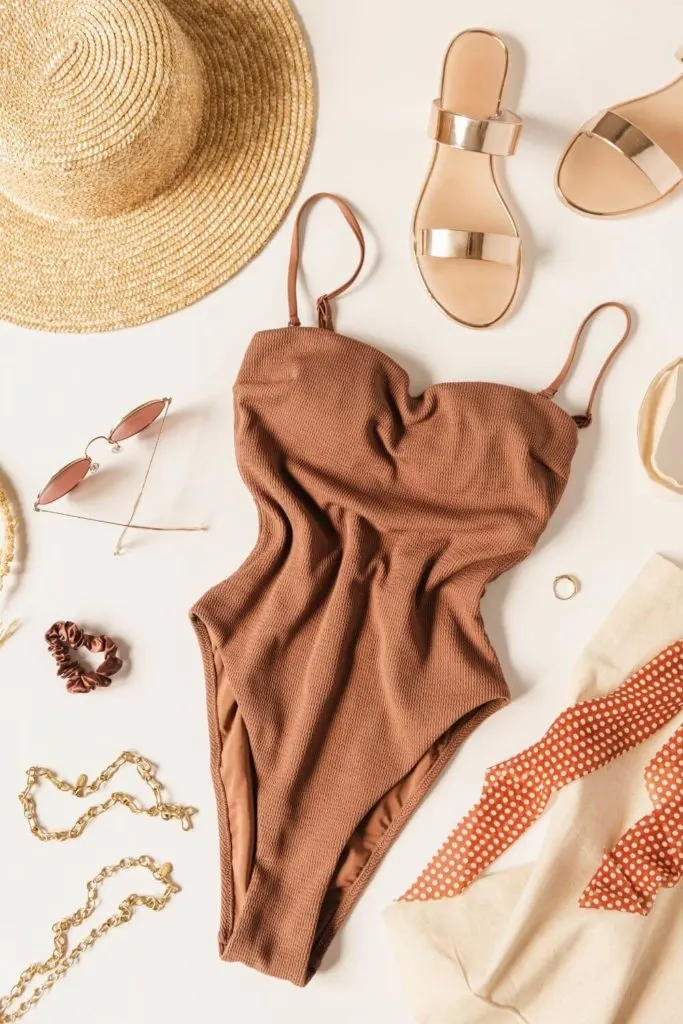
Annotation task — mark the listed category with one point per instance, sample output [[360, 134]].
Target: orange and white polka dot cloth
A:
[[581, 740], [649, 856]]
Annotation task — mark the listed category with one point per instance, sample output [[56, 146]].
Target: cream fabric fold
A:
[[655, 415], [516, 947]]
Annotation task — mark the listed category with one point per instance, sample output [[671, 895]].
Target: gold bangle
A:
[[573, 582]]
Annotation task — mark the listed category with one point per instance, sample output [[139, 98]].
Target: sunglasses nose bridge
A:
[[100, 437]]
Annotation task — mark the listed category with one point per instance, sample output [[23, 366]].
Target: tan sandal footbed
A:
[[466, 242], [627, 158]]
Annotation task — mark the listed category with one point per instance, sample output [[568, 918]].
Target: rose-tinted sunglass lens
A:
[[137, 420], [64, 481]]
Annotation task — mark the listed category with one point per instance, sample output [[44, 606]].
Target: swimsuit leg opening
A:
[[233, 779], [338, 905]]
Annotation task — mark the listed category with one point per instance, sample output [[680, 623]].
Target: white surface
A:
[[378, 68]]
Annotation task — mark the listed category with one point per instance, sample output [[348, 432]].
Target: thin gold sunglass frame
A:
[[94, 466]]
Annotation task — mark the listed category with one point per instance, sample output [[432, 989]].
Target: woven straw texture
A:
[[148, 150]]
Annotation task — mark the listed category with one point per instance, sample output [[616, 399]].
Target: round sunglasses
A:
[[74, 473]]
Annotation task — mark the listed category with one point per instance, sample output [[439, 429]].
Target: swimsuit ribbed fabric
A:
[[346, 660]]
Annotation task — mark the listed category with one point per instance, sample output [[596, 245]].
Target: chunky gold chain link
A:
[[56, 965], [83, 788]]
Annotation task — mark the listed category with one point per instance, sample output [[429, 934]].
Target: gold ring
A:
[[563, 592]]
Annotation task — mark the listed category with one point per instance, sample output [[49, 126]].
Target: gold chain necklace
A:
[[83, 788], [56, 965]]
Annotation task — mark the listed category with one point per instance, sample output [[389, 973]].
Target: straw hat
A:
[[148, 150]]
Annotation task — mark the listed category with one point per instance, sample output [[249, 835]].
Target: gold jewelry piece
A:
[[565, 587], [56, 965], [83, 788]]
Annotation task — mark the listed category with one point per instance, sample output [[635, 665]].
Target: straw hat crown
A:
[[148, 150], [100, 104]]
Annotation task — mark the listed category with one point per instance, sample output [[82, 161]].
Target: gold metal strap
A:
[[64, 956], [468, 245], [497, 135], [82, 788], [638, 147]]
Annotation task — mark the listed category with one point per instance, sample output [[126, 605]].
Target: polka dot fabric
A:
[[649, 856], [580, 741]]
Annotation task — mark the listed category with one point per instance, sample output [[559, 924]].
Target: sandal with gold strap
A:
[[627, 158], [465, 239]]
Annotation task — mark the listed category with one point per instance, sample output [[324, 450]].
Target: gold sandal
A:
[[465, 239], [626, 158]]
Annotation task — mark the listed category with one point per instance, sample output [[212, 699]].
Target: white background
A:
[[378, 67]]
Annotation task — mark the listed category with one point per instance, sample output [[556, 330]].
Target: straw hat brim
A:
[[258, 118]]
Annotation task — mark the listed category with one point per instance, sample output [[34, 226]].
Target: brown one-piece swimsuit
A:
[[346, 660]]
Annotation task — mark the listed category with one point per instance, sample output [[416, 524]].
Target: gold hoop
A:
[[573, 582]]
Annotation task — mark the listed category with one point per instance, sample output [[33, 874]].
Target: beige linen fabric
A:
[[659, 426], [516, 947]]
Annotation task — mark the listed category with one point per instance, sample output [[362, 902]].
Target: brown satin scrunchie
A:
[[65, 637]]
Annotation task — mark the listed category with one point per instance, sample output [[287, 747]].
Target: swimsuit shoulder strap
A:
[[323, 303], [552, 389]]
